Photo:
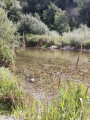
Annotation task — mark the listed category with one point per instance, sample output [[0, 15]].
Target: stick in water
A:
[[78, 58]]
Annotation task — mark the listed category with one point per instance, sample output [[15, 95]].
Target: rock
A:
[[53, 47], [6, 118], [31, 80], [68, 48]]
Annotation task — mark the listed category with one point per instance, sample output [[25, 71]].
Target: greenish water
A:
[[47, 67]]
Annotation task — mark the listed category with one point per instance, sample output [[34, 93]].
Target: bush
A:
[[11, 94], [51, 38], [7, 29], [77, 37], [7, 38], [31, 25], [5, 53]]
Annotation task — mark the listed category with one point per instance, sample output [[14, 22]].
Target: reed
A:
[[70, 104]]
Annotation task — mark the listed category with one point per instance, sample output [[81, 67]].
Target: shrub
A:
[[5, 53], [51, 38], [7, 38], [11, 94], [7, 29], [31, 25], [46, 45], [77, 37]]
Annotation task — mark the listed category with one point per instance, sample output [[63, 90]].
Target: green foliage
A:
[[35, 5], [2, 4], [14, 14], [7, 29], [31, 25], [9, 4], [61, 22], [51, 38], [11, 94], [64, 4], [5, 53], [13, 9], [36, 15], [7, 38], [46, 45], [85, 13], [49, 14], [77, 37], [70, 104]]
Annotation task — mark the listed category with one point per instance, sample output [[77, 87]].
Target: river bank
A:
[[64, 48], [51, 70]]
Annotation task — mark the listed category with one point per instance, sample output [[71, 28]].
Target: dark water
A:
[[48, 67]]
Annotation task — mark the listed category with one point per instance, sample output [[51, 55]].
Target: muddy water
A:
[[43, 70]]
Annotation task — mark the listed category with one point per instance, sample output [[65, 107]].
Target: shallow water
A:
[[48, 68]]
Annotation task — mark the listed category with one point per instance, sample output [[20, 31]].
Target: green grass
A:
[[71, 104], [11, 94]]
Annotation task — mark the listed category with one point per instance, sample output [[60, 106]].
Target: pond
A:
[[44, 70]]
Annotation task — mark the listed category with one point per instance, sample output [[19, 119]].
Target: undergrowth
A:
[[11, 94], [71, 103]]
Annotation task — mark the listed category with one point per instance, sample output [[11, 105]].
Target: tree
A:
[[13, 9], [85, 13], [7, 30], [7, 38], [73, 17], [9, 4], [35, 5], [14, 14], [64, 4], [2, 4], [49, 14], [31, 25], [61, 22]]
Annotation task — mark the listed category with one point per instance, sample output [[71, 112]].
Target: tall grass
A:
[[33, 40], [11, 94], [71, 104]]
